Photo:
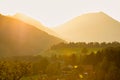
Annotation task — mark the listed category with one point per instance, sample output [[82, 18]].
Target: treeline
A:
[[79, 48], [87, 45], [102, 63]]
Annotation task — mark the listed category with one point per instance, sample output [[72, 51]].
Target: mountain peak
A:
[[95, 14], [88, 27]]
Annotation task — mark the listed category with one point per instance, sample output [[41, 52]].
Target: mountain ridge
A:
[[20, 38], [35, 23]]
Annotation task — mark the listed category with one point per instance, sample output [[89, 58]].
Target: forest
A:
[[66, 61]]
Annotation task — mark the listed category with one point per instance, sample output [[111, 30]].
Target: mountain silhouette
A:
[[90, 27], [20, 38]]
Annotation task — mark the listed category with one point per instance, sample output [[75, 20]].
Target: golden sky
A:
[[54, 12]]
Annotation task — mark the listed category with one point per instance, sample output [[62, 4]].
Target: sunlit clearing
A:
[[75, 66]]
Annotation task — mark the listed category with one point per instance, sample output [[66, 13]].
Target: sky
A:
[[52, 13]]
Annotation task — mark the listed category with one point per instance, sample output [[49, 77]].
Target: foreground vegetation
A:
[[66, 61]]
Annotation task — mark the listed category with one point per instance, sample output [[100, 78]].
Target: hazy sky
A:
[[55, 12]]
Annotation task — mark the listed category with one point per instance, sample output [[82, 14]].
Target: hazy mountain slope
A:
[[34, 22], [19, 38], [90, 27]]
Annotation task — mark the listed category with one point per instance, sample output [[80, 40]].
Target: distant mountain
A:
[[20, 38], [90, 27], [34, 22]]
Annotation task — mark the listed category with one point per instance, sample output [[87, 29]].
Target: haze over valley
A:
[[59, 40], [23, 35]]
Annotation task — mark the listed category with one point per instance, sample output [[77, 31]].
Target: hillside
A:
[[19, 38], [98, 27]]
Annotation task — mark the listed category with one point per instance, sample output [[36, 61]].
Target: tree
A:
[[84, 51], [113, 73], [14, 70], [53, 69]]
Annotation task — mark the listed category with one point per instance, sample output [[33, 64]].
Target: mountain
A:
[[20, 38], [34, 22], [90, 27]]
